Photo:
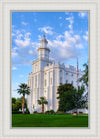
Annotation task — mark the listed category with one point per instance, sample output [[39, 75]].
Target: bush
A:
[[41, 113], [80, 112], [47, 112], [51, 112], [60, 112], [16, 112], [27, 111], [35, 112]]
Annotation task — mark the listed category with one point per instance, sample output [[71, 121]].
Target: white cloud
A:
[[22, 38], [14, 54], [46, 29], [39, 37], [22, 43], [30, 52], [79, 46], [60, 17], [70, 27], [24, 23], [23, 49], [70, 19], [65, 46], [14, 68], [82, 14], [86, 36]]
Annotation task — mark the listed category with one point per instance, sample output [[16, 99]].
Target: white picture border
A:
[[5, 68]]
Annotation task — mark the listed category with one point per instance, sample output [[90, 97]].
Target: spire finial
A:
[[44, 34]]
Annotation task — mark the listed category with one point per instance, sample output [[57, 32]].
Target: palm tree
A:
[[23, 89], [42, 101]]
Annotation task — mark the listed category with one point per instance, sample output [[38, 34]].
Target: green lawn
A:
[[41, 120]]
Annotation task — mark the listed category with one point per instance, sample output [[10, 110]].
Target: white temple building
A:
[[45, 78]]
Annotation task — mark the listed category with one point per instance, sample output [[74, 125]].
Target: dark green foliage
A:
[[46, 112], [80, 112], [65, 92], [60, 112], [16, 112], [23, 89], [71, 98], [13, 100], [85, 76], [27, 111], [42, 101], [16, 106], [25, 101], [35, 112], [51, 112]]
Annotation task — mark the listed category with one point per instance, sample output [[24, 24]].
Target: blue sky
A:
[[67, 35]]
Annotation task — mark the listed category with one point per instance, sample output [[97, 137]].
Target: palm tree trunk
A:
[[42, 107], [23, 103]]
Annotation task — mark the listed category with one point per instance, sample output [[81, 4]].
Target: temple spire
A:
[[44, 34], [44, 41]]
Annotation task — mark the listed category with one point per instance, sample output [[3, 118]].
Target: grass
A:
[[41, 120]]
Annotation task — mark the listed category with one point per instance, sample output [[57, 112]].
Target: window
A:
[[60, 70], [35, 81], [72, 74], [66, 73], [72, 82], [66, 81], [60, 79], [47, 64]]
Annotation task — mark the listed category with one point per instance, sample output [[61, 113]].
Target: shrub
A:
[[60, 112], [16, 112], [47, 112], [80, 112], [51, 112], [35, 112], [41, 113], [27, 111]]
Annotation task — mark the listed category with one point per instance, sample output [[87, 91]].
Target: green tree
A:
[[79, 99], [23, 89], [71, 98], [65, 92], [16, 106], [13, 103], [42, 101], [21, 99], [84, 78], [13, 100]]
